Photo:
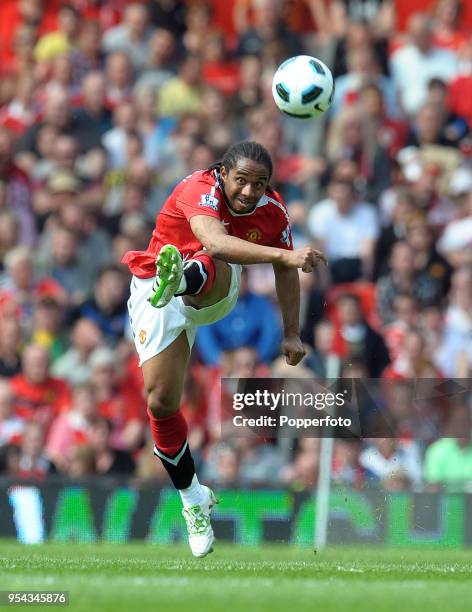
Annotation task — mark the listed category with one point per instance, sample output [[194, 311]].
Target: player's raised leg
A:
[[163, 379], [201, 280]]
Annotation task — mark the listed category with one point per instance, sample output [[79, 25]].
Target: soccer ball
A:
[[303, 87]]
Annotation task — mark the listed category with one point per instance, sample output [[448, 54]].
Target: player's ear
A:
[[223, 174]]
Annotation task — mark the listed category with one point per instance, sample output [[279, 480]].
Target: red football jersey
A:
[[201, 194]]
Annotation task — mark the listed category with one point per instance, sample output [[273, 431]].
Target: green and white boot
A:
[[169, 271], [200, 532]]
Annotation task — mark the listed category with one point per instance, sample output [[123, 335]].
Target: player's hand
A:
[[308, 258], [293, 349]]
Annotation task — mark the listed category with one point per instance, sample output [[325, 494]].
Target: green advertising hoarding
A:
[[117, 512]]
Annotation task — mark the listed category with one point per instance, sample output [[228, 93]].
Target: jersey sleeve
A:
[[199, 198], [284, 238]]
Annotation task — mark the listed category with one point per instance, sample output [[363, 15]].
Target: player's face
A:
[[245, 184]]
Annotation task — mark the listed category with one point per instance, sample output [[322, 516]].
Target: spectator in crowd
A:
[[146, 467], [302, 473], [431, 323], [62, 186], [198, 27], [9, 460], [72, 427], [94, 239], [352, 138], [117, 139], [455, 127], [218, 69], [107, 307], [33, 462], [10, 346], [249, 93], [313, 305], [426, 259], [194, 408], [81, 462], [253, 322], [323, 342], [18, 281], [366, 28], [395, 217], [222, 467], [119, 76], [65, 265], [39, 396], [419, 61], [448, 461], [355, 338], [386, 458], [413, 359], [62, 76], [153, 130], [456, 239], [132, 35], [73, 365], [425, 182], [379, 15], [362, 70], [405, 317], [159, 66], [344, 227], [93, 110], [390, 133], [430, 127], [456, 345], [87, 55], [260, 464], [61, 41], [269, 26], [347, 470], [448, 30], [109, 461], [11, 426], [182, 94], [22, 111], [16, 189], [57, 113], [403, 278], [47, 325], [8, 232], [119, 400], [461, 86]]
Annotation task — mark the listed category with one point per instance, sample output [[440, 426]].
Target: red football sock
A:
[[169, 433], [195, 284]]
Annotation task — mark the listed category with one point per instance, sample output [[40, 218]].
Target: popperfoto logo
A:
[[274, 402]]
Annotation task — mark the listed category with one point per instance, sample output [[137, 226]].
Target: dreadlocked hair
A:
[[244, 150]]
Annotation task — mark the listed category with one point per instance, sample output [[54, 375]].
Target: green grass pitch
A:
[[140, 577]]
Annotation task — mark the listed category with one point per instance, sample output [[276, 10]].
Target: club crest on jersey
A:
[[142, 336], [285, 237], [253, 235], [209, 200]]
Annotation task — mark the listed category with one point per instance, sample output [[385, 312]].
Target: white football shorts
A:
[[155, 328]]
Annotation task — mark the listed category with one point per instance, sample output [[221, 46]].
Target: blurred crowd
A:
[[106, 104]]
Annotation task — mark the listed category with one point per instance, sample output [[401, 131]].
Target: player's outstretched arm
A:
[[215, 239], [287, 286]]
